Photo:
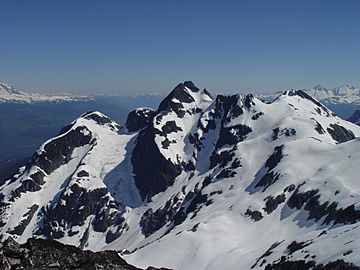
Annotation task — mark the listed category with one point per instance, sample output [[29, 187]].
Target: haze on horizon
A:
[[140, 47]]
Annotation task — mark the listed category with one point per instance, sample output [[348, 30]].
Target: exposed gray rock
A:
[[138, 119], [40, 254]]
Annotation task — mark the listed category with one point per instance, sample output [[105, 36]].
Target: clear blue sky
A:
[[133, 47]]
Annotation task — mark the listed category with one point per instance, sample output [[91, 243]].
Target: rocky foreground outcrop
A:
[[40, 254]]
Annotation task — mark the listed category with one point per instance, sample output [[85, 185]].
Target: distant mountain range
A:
[[27, 119], [9, 94], [343, 100], [201, 182], [345, 94]]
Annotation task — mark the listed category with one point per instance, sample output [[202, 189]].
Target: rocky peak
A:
[[183, 93], [138, 119], [304, 95], [180, 94], [8, 88], [227, 106], [156, 158], [190, 85]]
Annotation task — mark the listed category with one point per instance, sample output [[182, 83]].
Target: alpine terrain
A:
[[230, 182], [345, 94], [343, 100]]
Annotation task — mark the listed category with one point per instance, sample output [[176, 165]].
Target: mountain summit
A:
[[6, 88], [199, 183]]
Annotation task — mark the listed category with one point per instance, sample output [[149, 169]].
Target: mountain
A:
[[24, 126], [355, 118], [345, 94], [199, 183], [343, 100], [9, 94]]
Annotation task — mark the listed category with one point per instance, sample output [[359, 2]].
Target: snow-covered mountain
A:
[[9, 94], [199, 183], [345, 94]]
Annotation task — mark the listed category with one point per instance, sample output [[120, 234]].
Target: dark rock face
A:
[[152, 221], [74, 208], [271, 177], [221, 158], [266, 254], [307, 265], [99, 119], [257, 116], [65, 129], [226, 109], [295, 246], [43, 254], [226, 173], [310, 200], [82, 173], [138, 119], [169, 127], [340, 134], [181, 96], [3, 206], [319, 128], [277, 132], [153, 173], [9, 168], [285, 262], [175, 212], [272, 202], [254, 215], [232, 135], [56, 153], [193, 202]]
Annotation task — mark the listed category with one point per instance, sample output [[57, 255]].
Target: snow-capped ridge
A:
[[344, 94], [8, 88], [183, 93], [9, 94], [199, 183]]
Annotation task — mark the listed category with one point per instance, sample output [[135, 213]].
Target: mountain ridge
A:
[[344, 94], [9, 94], [244, 178]]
